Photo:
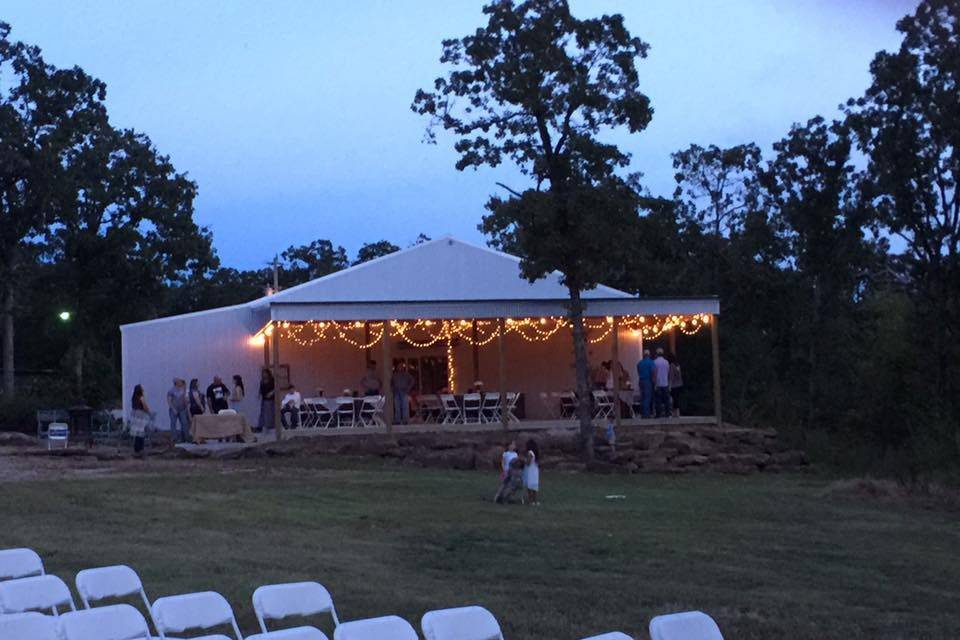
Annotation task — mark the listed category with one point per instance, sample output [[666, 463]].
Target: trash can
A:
[[81, 417]]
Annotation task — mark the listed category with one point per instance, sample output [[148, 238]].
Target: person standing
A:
[[217, 394], [140, 418], [198, 402], [239, 393], [676, 385], [177, 407], [661, 392], [531, 472], [401, 384], [267, 390], [370, 382], [645, 380]]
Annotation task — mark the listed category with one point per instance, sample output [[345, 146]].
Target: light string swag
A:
[[427, 333]]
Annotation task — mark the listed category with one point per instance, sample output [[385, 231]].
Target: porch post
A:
[[715, 348], [476, 353], [366, 340], [615, 370], [503, 375], [672, 340], [275, 349], [387, 375]]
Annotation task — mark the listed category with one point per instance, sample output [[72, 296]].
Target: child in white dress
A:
[[531, 472]]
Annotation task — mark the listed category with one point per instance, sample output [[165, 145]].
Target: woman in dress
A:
[[139, 419], [236, 398]]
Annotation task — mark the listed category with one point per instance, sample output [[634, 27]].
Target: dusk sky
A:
[[294, 117]]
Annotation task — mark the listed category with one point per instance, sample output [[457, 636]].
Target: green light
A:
[[64, 315]]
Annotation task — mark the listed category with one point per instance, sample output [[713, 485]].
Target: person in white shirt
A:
[[290, 405], [661, 391], [508, 456]]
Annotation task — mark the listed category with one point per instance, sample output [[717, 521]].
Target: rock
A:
[[16, 439], [648, 440], [690, 460], [631, 467], [682, 447]]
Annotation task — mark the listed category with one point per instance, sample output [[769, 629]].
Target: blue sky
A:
[[293, 116]]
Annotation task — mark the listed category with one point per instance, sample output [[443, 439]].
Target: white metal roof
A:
[[441, 270], [445, 278]]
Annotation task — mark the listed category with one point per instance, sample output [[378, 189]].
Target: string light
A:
[[423, 334]]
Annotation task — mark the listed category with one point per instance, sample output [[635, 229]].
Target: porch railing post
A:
[[615, 371], [387, 377], [715, 350], [277, 398], [504, 404]]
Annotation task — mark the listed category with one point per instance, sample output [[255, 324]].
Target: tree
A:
[[538, 86], [907, 124], [372, 250], [717, 188], [45, 115], [810, 188], [124, 230], [304, 263]]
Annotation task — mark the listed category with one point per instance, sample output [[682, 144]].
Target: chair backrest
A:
[[117, 581], [58, 431], [383, 628], [296, 633], [201, 610], [37, 593], [449, 401], [461, 623], [689, 625], [613, 635], [277, 601], [512, 398], [32, 625], [491, 400], [369, 404], [227, 412], [19, 563], [472, 399], [114, 622]]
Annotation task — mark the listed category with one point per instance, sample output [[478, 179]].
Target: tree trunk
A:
[[584, 396], [7, 312]]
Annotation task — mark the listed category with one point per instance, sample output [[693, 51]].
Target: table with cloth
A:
[[207, 426]]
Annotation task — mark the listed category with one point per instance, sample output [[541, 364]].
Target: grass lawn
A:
[[767, 556]]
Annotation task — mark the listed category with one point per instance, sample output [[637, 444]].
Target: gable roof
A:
[[441, 270]]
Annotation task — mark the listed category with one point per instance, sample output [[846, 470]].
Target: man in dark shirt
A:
[[217, 395]]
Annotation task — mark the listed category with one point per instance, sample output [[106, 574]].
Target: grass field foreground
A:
[[767, 556]]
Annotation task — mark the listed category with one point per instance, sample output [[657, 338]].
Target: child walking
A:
[[508, 455], [531, 472]]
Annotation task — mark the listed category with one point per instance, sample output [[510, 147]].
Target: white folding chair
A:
[[202, 610], [471, 408], [512, 399], [490, 409], [297, 633], [368, 411], [277, 601], [38, 593], [19, 563], [306, 415], [568, 405], [383, 628], [345, 414], [321, 414], [58, 432], [430, 408], [113, 622], [613, 635], [30, 625], [689, 625], [451, 410], [227, 412], [602, 405], [117, 581], [548, 405], [461, 623]]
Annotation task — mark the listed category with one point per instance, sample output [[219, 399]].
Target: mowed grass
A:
[[767, 556]]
